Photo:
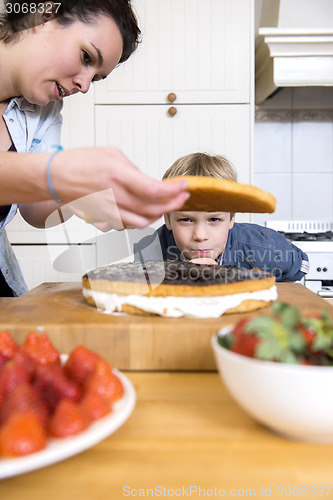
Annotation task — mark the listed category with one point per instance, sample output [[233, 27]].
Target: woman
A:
[[47, 54]]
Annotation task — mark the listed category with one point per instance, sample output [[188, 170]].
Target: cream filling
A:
[[175, 307]]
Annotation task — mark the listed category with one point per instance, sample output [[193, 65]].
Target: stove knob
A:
[[318, 269], [324, 269]]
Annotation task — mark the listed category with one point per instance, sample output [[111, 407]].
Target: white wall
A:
[[293, 133], [294, 13], [293, 153]]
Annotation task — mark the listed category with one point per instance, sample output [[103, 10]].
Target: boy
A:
[[215, 237]]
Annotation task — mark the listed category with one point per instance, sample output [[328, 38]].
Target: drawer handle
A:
[[172, 97], [172, 111]]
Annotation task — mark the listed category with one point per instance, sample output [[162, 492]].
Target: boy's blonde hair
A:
[[203, 164]]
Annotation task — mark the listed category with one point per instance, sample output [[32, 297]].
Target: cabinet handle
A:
[[172, 97], [172, 111]]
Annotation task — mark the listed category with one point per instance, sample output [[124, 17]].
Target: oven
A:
[[315, 239]]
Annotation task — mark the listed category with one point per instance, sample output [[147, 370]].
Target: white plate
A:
[[60, 449]]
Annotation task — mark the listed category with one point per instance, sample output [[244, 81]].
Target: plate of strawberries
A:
[[54, 406]]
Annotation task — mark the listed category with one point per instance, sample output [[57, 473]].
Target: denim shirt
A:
[[33, 129], [249, 246]]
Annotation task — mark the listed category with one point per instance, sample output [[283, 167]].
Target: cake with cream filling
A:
[[177, 288]]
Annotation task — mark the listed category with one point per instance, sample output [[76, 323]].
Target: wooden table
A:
[[185, 432], [129, 342]]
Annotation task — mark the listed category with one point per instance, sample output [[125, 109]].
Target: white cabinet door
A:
[[38, 263], [153, 140], [198, 49], [73, 231]]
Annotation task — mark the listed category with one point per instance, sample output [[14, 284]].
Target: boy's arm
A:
[[254, 246], [289, 262], [296, 264]]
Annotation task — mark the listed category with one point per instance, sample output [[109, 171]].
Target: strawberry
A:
[[22, 434], [239, 328], [68, 419], [22, 399], [81, 363], [41, 349], [94, 405], [245, 344], [3, 360], [308, 334], [8, 346], [105, 382], [52, 385], [12, 375], [305, 362], [24, 359]]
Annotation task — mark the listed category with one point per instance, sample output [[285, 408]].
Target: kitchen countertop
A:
[[185, 432], [129, 342]]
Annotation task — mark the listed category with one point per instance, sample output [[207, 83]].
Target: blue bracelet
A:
[[48, 174]]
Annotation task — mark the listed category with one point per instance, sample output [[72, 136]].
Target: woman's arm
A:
[[118, 188], [38, 214], [23, 177]]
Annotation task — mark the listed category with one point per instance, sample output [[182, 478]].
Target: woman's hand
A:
[[103, 186]]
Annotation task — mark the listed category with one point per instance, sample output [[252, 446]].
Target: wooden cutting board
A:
[[129, 342]]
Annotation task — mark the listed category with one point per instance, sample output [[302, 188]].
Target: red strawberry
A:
[[12, 375], [239, 328], [94, 405], [22, 434], [305, 362], [245, 344], [3, 360], [68, 419], [52, 385], [24, 359], [22, 399], [41, 349], [308, 335], [8, 346], [81, 363], [105, 382]]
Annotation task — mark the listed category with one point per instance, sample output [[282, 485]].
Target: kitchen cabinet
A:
[[36, 262], [153, 139], [187, 88], [198, 50], [38, 249]]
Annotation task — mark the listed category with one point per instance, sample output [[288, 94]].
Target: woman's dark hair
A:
[[18, 16]]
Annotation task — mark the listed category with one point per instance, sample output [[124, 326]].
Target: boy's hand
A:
[[204, 261]]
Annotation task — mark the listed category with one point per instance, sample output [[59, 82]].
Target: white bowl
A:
[[293, 400]]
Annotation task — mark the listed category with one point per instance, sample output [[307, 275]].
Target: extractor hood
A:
[[294, 45]]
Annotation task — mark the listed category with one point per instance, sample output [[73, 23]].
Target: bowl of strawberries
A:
[[279, 368]]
